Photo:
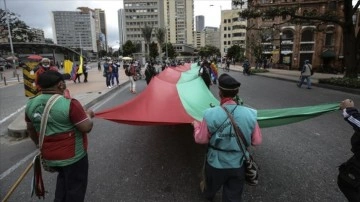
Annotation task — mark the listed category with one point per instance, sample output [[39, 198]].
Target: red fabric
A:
[[78, 115], [59, 146], [158, 104]]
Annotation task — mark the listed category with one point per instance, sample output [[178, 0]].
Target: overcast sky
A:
[[37, 13]]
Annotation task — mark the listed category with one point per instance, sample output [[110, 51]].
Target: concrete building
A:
[[289, 45], [122, 27], [199, 23], [212, 36], [75, 29], [179, 21], [233, 30], [39, 35], [100, 29], [199, 39]]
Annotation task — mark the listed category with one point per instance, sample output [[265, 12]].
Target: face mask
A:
[[46, 66]]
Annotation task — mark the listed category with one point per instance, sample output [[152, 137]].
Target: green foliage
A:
[[160, 35], [129, 48], [344, 82], [256, 71], [20, 32], [208, 51], [235, 52], [154, 52], [170, 49], [49, 41], [102, 53]]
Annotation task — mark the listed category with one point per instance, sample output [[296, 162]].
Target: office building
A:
[[122, 27], [212, 36], [100, 29], [199, 23], [75, 29]]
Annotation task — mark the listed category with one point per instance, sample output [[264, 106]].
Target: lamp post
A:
[[280, 55], [10, 39]]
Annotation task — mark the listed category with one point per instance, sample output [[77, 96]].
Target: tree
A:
[[102, 53], [128, 48], [170, 50], [147, 33], [20, 32], [153, 51], [49, 41], [235, 52], [160, 36], [351, 41], [209, 50]]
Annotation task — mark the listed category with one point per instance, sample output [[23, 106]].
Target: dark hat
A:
[[49, 79], [226, 82]]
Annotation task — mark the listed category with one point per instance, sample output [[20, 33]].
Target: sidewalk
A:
[[95, 89], [87, 93]]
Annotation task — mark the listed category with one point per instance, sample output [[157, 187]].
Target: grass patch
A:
[[255, 71]]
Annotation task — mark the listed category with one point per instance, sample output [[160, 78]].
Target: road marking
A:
[[18, 164], [13, 114]]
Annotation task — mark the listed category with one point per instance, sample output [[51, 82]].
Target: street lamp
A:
[[280, 55]]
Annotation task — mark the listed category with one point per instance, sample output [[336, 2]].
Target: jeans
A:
[[308, 81], [115, 76]]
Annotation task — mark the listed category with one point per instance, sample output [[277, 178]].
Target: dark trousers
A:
[[350, 188], [77, 77], [115, 76], [232, 180], [72, 181], [108, 79], [85, 76]]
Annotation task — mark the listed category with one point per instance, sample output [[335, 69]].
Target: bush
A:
[[255, 71], [344, 82]]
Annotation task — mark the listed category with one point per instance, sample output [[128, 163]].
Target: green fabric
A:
[[277, 117]]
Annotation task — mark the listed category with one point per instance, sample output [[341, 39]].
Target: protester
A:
[[115, 74], [85, 70], [349, 172], [108, 73], [224, 166], [64, 147], [43, 67], [77, 74], [305, 74], [130, 71], [246, 66], [99, 66], [205, 73], [150, 72], [214, 71]]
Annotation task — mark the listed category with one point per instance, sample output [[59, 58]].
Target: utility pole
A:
[[10, 40]]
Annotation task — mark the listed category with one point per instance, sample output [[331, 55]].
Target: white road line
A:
[[97, 106], [18, 164], [13, 114]]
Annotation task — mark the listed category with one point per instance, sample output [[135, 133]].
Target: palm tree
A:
[[160, 36], [147, 33]]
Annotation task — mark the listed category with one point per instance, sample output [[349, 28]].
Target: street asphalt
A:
[[95, 89]]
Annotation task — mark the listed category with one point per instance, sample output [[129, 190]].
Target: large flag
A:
[[178, 95]]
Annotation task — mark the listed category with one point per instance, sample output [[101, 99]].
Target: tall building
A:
[[122, 27], [179, 20], [75, 29], [199, 39], [289, 45], [212, 36], [233, 30], [199, 23], [100, 29]]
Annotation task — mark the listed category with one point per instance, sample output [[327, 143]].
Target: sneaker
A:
[[109, 87], [308, 87]]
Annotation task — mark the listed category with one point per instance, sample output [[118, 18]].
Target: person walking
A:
[[224, 165], [99, 65], [64, 146], [115, 73], [107, 73], [205, 73], [150, 72], [86, 69], [43, 67], [349, 172], [77, 74], [305, 74], [130, 71], [246, 67]]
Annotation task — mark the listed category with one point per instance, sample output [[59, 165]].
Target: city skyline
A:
[[39, 16]]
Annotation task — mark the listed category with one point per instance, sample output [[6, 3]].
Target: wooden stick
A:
[[16, 184]]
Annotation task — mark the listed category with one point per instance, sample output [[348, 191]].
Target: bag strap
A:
[[45, 117], [241, 138]]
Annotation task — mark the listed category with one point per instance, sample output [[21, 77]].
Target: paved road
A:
[[161, 163]]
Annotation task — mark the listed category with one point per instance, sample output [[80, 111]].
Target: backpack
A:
[[130, 70]]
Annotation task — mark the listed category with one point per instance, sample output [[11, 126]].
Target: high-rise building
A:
[[179, 20], [122, 27], [39, 35], [75, 29], [199, 23], [212, 36], [100, 29]]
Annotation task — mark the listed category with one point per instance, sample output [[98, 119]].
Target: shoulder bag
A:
[[251, 169]]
